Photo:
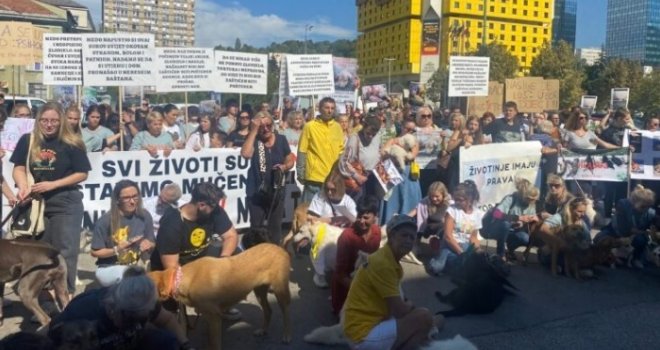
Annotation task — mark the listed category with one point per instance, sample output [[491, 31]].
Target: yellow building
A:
[[387, 30], [522, 26]]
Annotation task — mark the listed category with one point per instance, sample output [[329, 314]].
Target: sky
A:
[[261, 22]]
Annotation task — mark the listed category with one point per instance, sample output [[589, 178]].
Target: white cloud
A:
[[218, 25]]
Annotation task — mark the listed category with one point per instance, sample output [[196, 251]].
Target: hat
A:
[[399, 221]]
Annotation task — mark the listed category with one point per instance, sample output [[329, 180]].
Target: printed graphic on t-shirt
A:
[[47, 158], [197, 237]]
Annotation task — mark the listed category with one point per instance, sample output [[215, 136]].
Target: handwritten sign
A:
[[533, 94], [478, 105], [20, 43]]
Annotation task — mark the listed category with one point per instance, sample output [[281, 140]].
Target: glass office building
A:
[[564, 21], [633, 30]]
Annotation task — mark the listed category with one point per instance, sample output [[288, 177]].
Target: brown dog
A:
[[573, 241], [33, 264], [299, 219], [213, 285]]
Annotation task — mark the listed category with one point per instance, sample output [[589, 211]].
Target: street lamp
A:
[[308, 27], [389, 72]]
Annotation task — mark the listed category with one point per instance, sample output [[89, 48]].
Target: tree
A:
[[503, 65], [237, 44], [647, 94], [559, 62], [611, 73], [436, 87]]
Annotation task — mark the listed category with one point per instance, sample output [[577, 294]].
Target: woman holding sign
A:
[[55, 157]]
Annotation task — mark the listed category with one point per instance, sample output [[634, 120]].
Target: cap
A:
[[399, 221]]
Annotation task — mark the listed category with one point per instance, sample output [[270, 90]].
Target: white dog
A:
[[401, 149], [323, 238]]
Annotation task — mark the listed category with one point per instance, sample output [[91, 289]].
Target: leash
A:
[[14, 209]]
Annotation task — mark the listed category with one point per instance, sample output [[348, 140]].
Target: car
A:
[[33, 102]]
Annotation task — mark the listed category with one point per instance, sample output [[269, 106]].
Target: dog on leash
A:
[[299, 219], [572, 241], [482, 285], [323, 253], [33, 265], [213, 285]]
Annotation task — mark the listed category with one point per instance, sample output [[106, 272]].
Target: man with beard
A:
[[186, 233], [363, 236]]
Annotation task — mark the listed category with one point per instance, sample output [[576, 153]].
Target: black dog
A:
[[254, 236], [481, 285]]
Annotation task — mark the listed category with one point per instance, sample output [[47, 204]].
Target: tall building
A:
[[565, 21], [171, 21], [633, 30], [522, 26]]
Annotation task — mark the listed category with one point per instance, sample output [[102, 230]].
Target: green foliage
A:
[[559, 62], [338, 48], [646, 96], [609, 73], [436, 87], [503, 65]]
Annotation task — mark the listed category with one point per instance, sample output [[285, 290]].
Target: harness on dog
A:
[[175, 282], [319, 238]]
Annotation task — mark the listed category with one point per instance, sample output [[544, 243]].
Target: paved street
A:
[[618, 310]]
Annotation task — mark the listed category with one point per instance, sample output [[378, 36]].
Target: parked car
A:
[[33, 102]]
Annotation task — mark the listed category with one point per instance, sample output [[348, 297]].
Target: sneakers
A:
[[232, 314], [319, 281], [437, 264]]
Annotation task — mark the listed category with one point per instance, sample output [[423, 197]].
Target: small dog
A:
[[323, 238], [481, 285], [75, 335], [33, 265], [400, 151]]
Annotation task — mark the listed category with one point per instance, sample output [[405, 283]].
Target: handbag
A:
[[28, 217], [349, 182], [265, 191]]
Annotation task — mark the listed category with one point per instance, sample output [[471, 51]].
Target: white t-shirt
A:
[[321, 206], [464, 223]]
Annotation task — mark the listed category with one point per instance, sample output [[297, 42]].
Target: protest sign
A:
[[19, 42], [593, 165], [310, 75], [532, 94], [468, 76], [62, 59], [283, 86], [478, 105], [619, 98], [374, 93], [241, 73], [588, 103], [645, 147], [495, 167], [430, 144], [184, 69], [346, 82], [13, 130], [388, 176], [118, 60]]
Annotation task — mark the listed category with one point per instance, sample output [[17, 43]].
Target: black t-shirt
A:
[[236, 139], [274, 155], [90, 306], [189, 239], [502, 132], [57, 160]]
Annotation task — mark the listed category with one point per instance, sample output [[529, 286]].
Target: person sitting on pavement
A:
[[122, 234], [332, 205], [363, 235], [167, 198], [634, 217], [430, 214], [557, 198], [186, 233], [512, 220], [121, 313], [462, 224], [377, 315]]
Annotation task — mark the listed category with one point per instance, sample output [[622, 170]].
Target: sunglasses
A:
[[554, 185], [426, 116]]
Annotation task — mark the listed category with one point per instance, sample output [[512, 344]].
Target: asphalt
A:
[[619, 309]]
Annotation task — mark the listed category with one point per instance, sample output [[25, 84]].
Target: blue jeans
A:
[[501, 231]]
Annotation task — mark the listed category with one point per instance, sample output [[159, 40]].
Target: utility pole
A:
[[389, 73], [308, 27]]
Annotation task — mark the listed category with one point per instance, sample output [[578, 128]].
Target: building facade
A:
[[633, 30], [565, 21], [171, 21], [590, 55]]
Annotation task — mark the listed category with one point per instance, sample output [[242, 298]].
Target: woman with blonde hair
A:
[[153, 139], [49, 163], [430, 211], [633, 218], [556, 198], [325, 205], [450, 145], [511, 220]]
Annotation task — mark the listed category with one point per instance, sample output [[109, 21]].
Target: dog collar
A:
[[176, 281]]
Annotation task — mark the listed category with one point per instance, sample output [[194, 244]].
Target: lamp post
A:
[[308, 27], [389, 72]]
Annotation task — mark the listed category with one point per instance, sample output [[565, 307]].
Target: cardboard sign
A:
[[478, 105], [533, 94], [19, 43], [242, 73], [468, 76], [184, 69], [62, 59], [310, 75], [119, 60]]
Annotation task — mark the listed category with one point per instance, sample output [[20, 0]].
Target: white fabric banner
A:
[[494, 167], [241, 73], [62, 59], [182, 69], [310, 75], [119, 60], [222, 166]]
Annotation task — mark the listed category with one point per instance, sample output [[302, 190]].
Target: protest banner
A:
[[182, 69], [468, 76], [532, 94], [13, 130], [346, 82], [310, 75], [19, 43], [430, 144], [62, 59], [593, 165], [241, 72], [619, 98], [588, 103], [222, 166], [645, 147], [118, 60], [374, 93], [495, 167], [37, 43], [478, 105]]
